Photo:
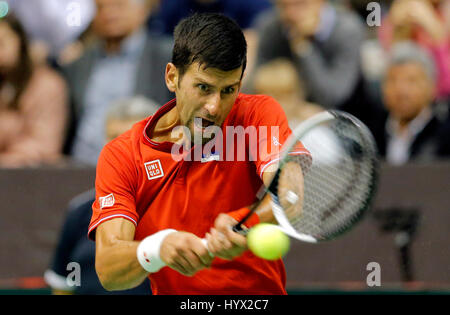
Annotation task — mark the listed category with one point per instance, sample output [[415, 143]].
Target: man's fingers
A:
[[236, 238], [193, 259], [220, 245], [202, 253], [220, 240], [180, 268], [185, 253], [225, 228]]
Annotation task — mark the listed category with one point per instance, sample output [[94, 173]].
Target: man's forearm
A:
[[117, 265]]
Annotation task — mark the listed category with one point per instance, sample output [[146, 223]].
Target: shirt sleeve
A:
[[272, 130], [114, 187]]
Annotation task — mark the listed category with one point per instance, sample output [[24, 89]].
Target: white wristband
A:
[[148, 251]]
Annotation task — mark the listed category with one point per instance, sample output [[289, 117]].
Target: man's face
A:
[[118, 18], [407, 89], [292, 11], [204, 96]]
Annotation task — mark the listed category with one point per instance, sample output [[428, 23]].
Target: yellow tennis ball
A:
[[267, 241]]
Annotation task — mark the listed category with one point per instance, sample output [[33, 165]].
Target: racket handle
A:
[[238, 228]]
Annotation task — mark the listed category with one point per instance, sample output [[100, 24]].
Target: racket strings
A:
[[336, 184]]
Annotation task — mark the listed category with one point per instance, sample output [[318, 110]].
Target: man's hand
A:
[[185, 253], [223, 242], [301, 20], [305, 28]]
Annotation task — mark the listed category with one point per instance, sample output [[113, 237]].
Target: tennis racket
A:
[[319, 199]]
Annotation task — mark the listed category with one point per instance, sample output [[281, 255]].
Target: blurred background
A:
[[74, 74]]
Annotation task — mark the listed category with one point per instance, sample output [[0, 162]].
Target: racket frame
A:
[[296, 135]]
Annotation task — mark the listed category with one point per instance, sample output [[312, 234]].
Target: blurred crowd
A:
[[74, 74], [63, 63]]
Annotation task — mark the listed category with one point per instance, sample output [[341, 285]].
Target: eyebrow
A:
[[200, 80]]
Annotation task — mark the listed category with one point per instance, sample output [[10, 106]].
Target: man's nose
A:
[[403, 87], [213, 104]]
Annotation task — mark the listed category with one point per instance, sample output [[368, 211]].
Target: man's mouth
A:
[[202, 123]]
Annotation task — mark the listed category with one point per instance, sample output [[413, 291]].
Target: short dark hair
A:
[[212, 39]]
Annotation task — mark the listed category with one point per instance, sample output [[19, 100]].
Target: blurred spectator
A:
[[245, 13], [172, 11], [125, 61], [278, 78], [73, 244], [52, 24], [413, 128], [425, 22], [75, 49], [323, 43], [363, 9], [33, 103]]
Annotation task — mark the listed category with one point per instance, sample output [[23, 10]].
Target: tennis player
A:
[[152, 210]]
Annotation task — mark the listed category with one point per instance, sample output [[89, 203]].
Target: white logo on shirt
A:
[[154, 169], [107, 201]]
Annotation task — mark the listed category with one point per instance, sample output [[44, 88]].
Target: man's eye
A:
[[228, 90], [203, 87]]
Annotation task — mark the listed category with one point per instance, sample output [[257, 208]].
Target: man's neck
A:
[[402, 125], [164, 126]]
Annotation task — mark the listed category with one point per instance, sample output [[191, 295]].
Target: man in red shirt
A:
[[156, 198]]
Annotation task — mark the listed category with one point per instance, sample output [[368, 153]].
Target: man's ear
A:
[[171, 77]]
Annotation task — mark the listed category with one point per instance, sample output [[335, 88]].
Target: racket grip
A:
[[238, 228]]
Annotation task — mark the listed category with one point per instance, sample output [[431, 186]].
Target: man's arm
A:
[[225, 243], [115, 255], [116, 262]]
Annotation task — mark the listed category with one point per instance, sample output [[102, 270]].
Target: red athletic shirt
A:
[[139, 180]]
